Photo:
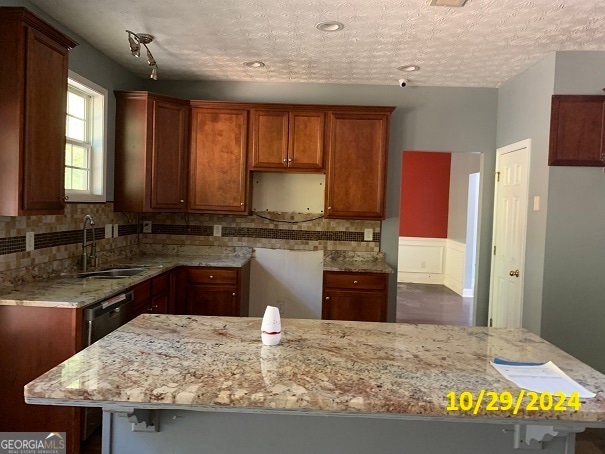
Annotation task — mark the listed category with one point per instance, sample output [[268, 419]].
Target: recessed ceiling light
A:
[[330, 26], [450, 3], [408, 68], [254, 64]]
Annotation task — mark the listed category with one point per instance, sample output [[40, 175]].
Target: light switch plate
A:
[[29, 241], [218, 230], [146, 226], [108, 230], [368, 234], [115, 230]]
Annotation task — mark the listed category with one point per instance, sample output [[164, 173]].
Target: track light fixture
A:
[[135, 40]]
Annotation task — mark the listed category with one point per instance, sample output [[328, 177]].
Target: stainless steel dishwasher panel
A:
[[100, 319], [106, 316]]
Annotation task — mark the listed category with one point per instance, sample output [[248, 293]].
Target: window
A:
[[85, 154]]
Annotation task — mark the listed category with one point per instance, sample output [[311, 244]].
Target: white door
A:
[[508, 248]]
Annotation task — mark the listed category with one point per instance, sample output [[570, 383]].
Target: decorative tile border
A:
[[53, 239], [267, 233]]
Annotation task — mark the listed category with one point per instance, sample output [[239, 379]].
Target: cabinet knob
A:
[[66, 197], [329, 208], [289, 159], [241, 203], [285, 160], [327, 298], [211, 276], [182, 201], [355, 282], [234, 294]]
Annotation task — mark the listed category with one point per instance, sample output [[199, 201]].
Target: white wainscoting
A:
[[432, 261], [421, 260], [455, 254]]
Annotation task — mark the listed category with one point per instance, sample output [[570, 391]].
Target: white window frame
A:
[[98, 156]]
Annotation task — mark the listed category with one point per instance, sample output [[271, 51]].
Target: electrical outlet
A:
[[108, 230], [29, 241], [116, 232], [146, 226], [368, 234], [218, 230]]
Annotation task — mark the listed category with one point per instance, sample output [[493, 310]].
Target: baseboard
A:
[[453, 284], [419, 278], [468, 293]]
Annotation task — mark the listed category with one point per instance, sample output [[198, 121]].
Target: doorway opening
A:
[[438, 235]]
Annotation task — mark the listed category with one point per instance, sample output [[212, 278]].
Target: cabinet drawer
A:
[[160, 284], [211, 276], [362, 281]]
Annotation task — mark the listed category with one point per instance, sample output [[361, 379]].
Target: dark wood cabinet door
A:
[[218, 178], [44, 129], [577, 134], [306, 144], [269, 139], [212, 300], [356, 171], [159, 304], [356, 306], [169, 153], [141, 295]]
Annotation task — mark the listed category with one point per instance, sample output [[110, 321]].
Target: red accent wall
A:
[[425, 192]]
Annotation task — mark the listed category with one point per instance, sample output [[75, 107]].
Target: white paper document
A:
[[540, 378]]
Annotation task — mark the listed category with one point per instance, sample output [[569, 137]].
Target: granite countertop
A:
[[356, 262], [68, 291], [376, 369]]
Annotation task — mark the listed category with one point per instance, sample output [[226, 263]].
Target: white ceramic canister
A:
[[271, 326]]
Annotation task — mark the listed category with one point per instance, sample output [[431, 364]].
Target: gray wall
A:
[[463, 164], [427, 118], [95, 66], [574, 266], [524, 113]]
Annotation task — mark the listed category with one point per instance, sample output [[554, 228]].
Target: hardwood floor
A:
[[432, 304], [437, 304]]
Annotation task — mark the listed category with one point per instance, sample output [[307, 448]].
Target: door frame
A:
[[526, 143]]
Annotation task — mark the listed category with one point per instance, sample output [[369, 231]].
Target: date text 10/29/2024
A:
[[505, 401]]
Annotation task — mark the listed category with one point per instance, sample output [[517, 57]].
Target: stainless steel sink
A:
[[114, 273]]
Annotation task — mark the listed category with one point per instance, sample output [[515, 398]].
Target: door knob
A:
[[514, 273]]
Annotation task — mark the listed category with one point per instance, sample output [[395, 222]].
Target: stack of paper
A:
[[541, 378]]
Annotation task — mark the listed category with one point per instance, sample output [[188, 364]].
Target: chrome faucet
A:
[[93, 247]]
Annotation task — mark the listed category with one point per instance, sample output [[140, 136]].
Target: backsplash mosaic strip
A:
[[250, 232], [52, 239], [11, 245], [271, 230]]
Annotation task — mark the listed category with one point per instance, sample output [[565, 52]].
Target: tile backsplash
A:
[[58, 238]]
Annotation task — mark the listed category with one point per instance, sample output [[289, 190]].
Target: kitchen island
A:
[[207, 384]]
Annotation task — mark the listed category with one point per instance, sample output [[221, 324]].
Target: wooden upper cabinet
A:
[[151, 152], [33, 90], [287, 139], [357, 145], [218, 178], [577, 131]]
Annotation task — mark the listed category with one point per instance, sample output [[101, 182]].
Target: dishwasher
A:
[[101, 319]]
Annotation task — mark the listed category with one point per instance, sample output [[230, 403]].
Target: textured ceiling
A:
[[480, 45]]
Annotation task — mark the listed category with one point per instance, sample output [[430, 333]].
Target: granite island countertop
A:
[[68, 291], [376, 369]]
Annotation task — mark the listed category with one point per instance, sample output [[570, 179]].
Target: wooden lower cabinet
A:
[[355, 296], [34, 340], [152, 296], [213, 291]]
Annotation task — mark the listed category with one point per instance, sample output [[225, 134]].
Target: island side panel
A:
[[32, 341], [196, 432]]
